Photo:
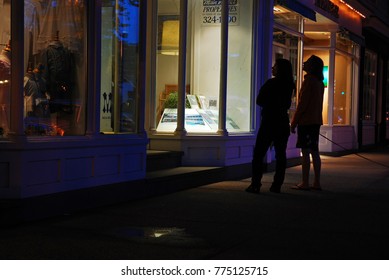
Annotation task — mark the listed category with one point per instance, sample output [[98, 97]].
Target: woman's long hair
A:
[[284, 70], [317, 66]]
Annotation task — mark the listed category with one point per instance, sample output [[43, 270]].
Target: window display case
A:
[[119, 67], [5, 67], [69, 116], [55, 67], [203, 67]]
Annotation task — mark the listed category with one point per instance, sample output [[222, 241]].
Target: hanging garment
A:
[[5, 76], [33, 16], [62, 21], [35, 100], [58, 73]]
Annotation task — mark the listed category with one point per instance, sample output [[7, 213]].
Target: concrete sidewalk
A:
[[348, 219]]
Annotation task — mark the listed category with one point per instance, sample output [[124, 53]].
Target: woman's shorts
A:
[[308, 137]]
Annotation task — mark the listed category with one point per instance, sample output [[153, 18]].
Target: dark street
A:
[[346, 220]]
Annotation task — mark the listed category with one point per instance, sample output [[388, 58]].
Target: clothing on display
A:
[[53, 36], [58, 65], [5, 76], [56, 14], [36, 101], [33, 15], [5, 21]]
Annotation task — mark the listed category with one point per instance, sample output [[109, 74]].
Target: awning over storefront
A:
[[298, 8]]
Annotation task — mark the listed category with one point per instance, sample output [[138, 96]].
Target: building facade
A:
[[87, 87], [72, 93], [374, 102]]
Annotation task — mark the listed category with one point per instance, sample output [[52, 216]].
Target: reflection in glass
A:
[[285, 17], [119, 66], [55, 67]]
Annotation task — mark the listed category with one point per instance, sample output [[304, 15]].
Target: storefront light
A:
[[277, 10], [170, 37], [352, 9]]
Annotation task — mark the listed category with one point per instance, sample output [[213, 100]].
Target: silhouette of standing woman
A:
[[308, 119], [274, 98]]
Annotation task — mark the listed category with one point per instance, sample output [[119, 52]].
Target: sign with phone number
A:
[[211, 12]]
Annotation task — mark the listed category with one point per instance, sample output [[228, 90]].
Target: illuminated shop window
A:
[[239, 66], [342, 89], [166, 84], [119, 66], [54, 67], [287, 18], [338, 91], [203, 66], [316, 39], [5, 67]]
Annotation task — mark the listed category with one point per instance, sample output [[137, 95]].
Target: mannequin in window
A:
[[58, 65], [5, 76], [36, 96]]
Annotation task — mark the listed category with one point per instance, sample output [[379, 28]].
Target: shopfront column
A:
[[180, 129], [223, 69], [331, 77], [17, 54]]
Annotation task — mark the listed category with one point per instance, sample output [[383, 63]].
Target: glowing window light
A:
[[170, 37], [325, 74]]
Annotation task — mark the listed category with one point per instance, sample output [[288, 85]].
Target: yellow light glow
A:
[[170, 37], [352, 8]]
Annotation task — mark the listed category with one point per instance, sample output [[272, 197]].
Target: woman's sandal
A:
[[253, 189], [301, 188]]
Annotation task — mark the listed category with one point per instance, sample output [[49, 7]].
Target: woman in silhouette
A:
[[308, 119], [274, 98]]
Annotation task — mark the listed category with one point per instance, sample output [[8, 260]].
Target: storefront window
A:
[[369, 86], [287, 18], [316, 39], [55, 67], [167, 64], [203, 66], [338, 93], [343, 43], [342, 89], [239, 66], [119, 66], [5, 67]]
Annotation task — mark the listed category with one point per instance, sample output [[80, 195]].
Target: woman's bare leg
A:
[[316, 161], [306, 165]]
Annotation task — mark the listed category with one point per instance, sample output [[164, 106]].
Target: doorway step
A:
[[160, 160]]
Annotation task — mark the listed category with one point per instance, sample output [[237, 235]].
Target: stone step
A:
[[161, 160]]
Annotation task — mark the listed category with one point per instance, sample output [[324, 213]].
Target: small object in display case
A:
[[192, 101], [212, 103], [202, 101]]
